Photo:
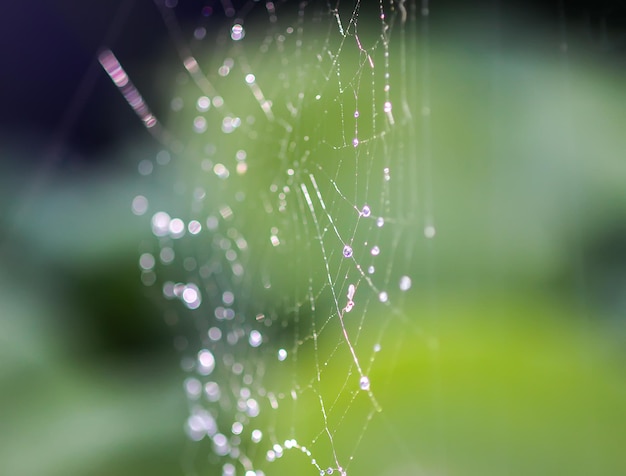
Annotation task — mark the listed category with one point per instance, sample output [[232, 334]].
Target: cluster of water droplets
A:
[[199, 259]]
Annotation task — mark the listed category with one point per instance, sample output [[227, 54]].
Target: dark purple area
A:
[[52, 90]]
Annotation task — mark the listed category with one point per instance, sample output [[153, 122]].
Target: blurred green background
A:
[[524, 286]]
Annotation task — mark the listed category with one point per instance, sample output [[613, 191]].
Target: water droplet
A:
[[176, 104], [383, 297], [429, 231], [160, 223], [387, 106], [237, 428], [228, 469], [351, 291], [199, 33], [371, 270], [356, 114], [212, 223], [199, 424], [375, 251], [221, 171], [380, 221], [256, 436], [193, 388], [355, 142], [387, 177], [405, 283], [148, 278], [163, 157], [166, 255], [145, 167], [252, 407], [206, 362], [347, 251], [364, 383], [220, 444], [212, 390], [237, 32], [365, 211], [255, 339], [146, 261], [376, 347], [191, 296], [228, 297], [199, 124], [140, 205], [176, 228], [194, 227], [278, 450], [215, 334], [282, 354], [203, 104]]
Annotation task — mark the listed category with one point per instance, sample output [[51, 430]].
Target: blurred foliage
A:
[[518, 367]]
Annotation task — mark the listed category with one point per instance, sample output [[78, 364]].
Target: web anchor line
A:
[[133, 97], [364, 379]]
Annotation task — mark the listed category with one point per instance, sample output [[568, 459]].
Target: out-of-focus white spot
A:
[[237, 32], [176, 228], [160, 224], [255, 338], [139, 205], [203, 104], [146, 261], [145, 167], [215, 333], [191, 296], [221, 171], [206, 362], [194, 227], [405, 283]]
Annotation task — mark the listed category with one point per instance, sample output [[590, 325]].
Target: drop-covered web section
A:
[[276, 215]]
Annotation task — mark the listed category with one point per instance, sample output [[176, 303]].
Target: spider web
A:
[[286, 207]]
